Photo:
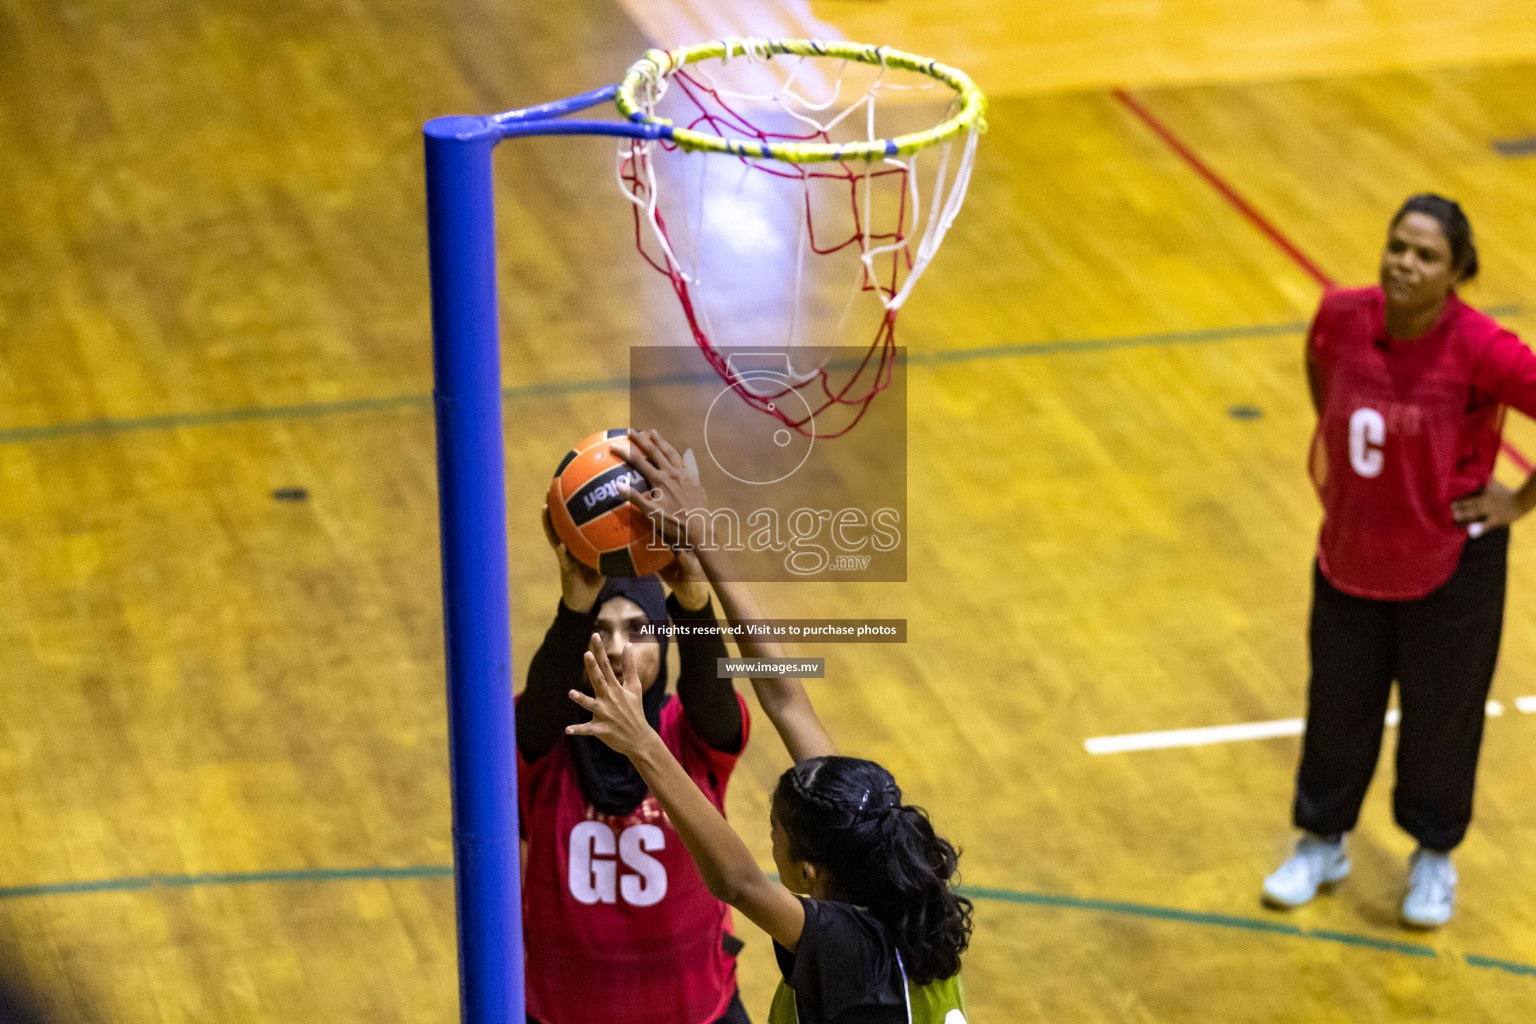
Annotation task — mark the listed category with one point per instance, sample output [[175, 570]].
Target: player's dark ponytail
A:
[[845, 815], [1453, 224]]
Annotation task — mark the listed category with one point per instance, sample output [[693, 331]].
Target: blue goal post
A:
[[472, 516], [467, 395]]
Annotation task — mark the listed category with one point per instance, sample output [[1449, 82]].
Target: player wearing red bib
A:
[[619, 927], [1410, 386]]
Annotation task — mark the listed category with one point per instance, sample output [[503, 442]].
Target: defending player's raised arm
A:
[[784, 701], [676, 491]]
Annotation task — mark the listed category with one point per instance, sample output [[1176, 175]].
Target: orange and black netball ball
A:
[[591, 516]]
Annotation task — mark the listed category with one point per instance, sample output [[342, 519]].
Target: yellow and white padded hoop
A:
[[645, 80]]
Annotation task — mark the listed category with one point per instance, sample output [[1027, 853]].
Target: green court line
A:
[[1037, 899], [315, 410], [1501, 965], [1073, 345], [1252, 924], [308, 410], [133, 883]]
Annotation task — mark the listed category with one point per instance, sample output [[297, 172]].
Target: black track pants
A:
[[735, 1013], [1441, 650]]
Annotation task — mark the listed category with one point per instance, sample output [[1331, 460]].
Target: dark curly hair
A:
[[845, 815]]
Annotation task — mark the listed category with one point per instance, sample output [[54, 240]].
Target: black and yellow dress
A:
[[845, 970]]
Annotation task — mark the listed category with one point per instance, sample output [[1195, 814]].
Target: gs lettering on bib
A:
[[595, 858], [618, 925]]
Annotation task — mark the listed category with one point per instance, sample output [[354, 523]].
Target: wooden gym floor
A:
[[223, 788]]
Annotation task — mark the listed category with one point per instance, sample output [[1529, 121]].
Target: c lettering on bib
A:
[[593, 873], [1367, 433]]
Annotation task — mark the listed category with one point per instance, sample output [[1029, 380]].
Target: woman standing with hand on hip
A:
[[1410, 386]]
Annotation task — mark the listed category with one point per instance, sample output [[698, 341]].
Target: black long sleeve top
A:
[[544, 709]]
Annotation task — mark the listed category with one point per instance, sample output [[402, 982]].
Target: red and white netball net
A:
[[830, 176]]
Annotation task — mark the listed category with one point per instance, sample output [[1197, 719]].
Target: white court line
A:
[[1193, 737], [1244, 731]]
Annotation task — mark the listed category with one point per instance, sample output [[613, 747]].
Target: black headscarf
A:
[[608, 780]]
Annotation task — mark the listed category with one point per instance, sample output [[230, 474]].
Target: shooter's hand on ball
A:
[[618, 719], [675, 488], [579, 584], [676, 492]]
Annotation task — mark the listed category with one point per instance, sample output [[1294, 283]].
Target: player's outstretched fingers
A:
[[658, 453], [659, 458], [651, 505], [589, 702], [676, 491], [646, 501], [600, 675], [631, 680], [670, 453], [618, 716], [661, 452], [598, 670], [605, 684], [640, 453]]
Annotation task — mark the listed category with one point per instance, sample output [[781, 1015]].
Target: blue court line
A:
[[1038, 899], [314, 410]]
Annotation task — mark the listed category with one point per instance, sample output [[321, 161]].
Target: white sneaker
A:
[[1316, 862], [1431, 895]]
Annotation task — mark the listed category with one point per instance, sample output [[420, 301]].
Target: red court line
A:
[[1254, 217], [1228, 193]]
